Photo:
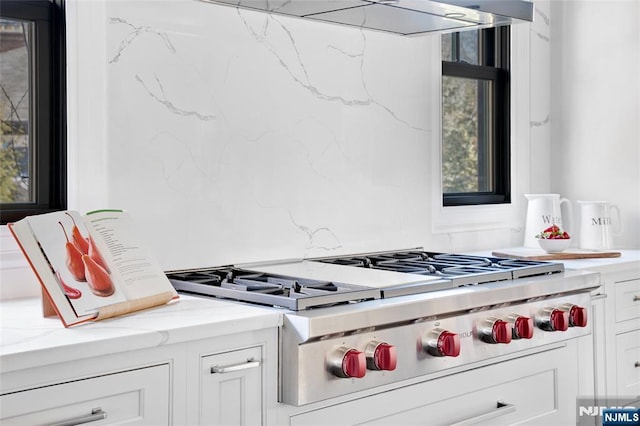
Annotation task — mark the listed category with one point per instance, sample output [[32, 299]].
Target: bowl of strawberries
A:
[[553, 239]]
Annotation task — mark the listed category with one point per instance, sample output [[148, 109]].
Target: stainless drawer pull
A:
[[237, 367], [96, 414], [502, 408]]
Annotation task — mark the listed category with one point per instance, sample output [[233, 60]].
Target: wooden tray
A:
[[525, 253]]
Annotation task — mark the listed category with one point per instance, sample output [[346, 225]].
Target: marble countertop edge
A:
[[28, 339]]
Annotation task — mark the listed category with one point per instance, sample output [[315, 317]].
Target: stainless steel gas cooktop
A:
[[314, 283], [361, 323]]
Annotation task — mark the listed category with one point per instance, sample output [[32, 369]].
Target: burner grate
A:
[[267, 289], [461, 269]]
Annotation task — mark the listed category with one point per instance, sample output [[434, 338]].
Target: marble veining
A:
[[162, 99], [543, 15], [544, 122], [319, 238], [305, 81], [136, 31], [262, 135]]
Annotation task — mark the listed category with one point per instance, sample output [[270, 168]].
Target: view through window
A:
[[15, 107], [32, 108], [475, 117]]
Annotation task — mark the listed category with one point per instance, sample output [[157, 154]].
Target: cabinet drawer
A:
[[136, 397], [231, 388], [627, 300], [536, 389], [628, 363]]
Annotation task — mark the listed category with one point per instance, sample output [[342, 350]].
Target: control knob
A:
[[521, 326], [381, 356], [554, 319], [346, 362], [440, 342], [495, 330], [577, 315]]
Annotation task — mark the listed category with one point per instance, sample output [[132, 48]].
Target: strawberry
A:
[[553, 229], [553, 233]]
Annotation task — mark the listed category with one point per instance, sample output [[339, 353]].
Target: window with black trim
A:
[[32, 108], [475, 117]]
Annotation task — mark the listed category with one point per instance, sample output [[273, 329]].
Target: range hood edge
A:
[[402, 17]]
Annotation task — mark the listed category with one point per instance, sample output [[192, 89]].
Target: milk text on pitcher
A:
[[602, 221]]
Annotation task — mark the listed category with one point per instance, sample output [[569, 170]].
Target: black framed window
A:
[[475, 117], [32, 108]]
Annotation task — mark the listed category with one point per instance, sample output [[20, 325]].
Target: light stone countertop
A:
[[629, 260], [28, 339]]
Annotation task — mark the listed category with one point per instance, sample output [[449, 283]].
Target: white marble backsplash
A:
[[238, 136]]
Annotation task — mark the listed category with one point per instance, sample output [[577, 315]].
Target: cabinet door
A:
[[628, 364], [135, 397], [231, 388], [627, 300]]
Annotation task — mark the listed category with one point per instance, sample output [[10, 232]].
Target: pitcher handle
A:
[[567, 223], [618, 231]]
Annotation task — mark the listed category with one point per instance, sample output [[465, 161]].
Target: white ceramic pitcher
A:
[[598, 224], [544, 210]]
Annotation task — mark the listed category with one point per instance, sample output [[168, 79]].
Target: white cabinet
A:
[[540, 388], [136, 397], [622, 344], [628, 364], [231, 388], [207, 381]]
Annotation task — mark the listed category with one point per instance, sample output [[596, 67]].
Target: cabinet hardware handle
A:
[[637, 364], [598, 297], [502, 409], [237, 367], [636, 298], [96, 414]]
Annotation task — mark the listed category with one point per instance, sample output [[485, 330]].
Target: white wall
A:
[[595, 134], [234, 136]]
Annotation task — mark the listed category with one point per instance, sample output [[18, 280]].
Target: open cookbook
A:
[[91, 267]]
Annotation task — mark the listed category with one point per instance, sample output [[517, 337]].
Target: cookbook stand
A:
[[48, 310]]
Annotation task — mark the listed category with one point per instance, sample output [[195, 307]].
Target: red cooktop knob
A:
[[440, 342], [448, 344], [501, 332], [577, 316], [554, 319], [381, 356], [354, 364], [559, 320], [346, 361], [523, 328], [495, 330]]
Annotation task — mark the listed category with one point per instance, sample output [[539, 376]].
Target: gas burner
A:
[[268, 289], [460, 269]]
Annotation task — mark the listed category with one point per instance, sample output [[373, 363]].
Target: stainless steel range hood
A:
[[403, 17]]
